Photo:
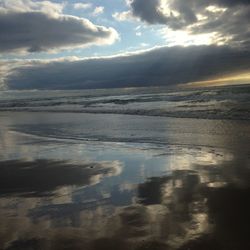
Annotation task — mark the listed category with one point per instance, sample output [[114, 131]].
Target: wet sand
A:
[[77, 181]]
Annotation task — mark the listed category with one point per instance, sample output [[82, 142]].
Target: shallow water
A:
[[114, 181]]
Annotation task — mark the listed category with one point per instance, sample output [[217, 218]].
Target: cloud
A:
[[229, 20], [98, 10], [122, 16], [40, 26], [149, 12], [30, 5], [159, 66], [83, 6]]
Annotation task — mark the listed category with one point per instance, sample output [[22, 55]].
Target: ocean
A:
[[137, 168], [230, 102]]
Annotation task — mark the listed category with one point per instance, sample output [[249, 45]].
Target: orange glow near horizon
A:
[[240, 78]]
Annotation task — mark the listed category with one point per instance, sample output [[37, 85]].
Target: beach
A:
[[117, 181], [124, 125]]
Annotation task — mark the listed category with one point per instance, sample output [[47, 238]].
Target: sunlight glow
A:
[[240, 78], [215, 9], [184, 38]]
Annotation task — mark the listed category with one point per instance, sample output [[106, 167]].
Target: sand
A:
[[102, 181]]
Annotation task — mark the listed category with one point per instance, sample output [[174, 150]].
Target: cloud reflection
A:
[[42, 177], [174, 211], [193, 198]]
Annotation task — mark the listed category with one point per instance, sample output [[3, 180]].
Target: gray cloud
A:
[[48, 7], [42, 28], [157, 12], [162, 66], [229, 19], [149, 11], [163, 11]]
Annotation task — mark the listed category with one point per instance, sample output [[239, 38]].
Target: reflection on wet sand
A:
[[121, 198], [41, 177], [184, 210]]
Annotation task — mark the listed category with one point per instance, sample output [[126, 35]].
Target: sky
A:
[[76, 44]]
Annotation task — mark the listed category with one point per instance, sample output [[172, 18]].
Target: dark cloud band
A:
[[162, 66]]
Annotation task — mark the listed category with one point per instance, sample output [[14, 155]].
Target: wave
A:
[[216, 103]]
